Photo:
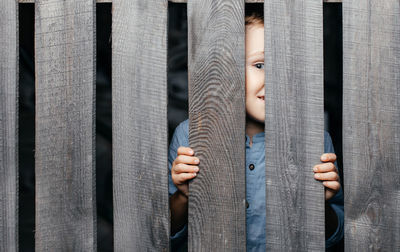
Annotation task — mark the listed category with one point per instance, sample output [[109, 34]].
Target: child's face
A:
[[255, 89]]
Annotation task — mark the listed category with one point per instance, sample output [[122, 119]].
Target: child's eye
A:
[[259, 65]]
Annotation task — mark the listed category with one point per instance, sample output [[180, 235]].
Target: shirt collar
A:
[[259, 137]]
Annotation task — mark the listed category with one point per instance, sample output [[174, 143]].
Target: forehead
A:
[[254, 39]]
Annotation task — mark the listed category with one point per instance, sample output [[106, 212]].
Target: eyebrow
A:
[[253, 55]]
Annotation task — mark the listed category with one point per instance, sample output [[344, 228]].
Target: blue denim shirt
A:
[[255, 191]]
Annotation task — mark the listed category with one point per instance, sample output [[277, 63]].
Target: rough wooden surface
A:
[[65, 92], [97, 1], [140, 163], [371, 124], [294, 125], [185, 1], [8, 125], [217, 120], [246, 1]]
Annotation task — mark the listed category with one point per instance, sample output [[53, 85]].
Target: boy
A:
[[184, 165]]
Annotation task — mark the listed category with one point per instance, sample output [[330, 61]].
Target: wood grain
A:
[[185, 1], [65, 92], [246, 1], [371, 124], [140, 135], [294, 125], [8, 125], [217, 125]]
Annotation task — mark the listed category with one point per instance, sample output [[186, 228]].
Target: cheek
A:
[[250, 83], [259, 78], [247, 80], [249, 94]]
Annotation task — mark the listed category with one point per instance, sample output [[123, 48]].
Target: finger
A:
[[333, 185], [184, 168], [324, 167], [181, 178], [185, 151], [326, 176], [187, 160], [328, 157], [329, 193]]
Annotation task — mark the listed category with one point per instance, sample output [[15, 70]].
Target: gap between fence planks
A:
[[9, 55], [371, 124], [185, 1]]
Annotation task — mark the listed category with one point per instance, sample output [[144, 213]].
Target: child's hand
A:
[[327, 173], [184, 168]]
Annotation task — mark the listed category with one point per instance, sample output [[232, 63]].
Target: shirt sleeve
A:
[[179, 138], [336, 202]]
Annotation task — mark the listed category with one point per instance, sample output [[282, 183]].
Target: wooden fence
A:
[[65, 62]]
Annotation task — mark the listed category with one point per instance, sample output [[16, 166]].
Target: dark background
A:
[[177, 106]]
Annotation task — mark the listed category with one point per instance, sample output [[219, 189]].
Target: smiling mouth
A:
[[260, 97]]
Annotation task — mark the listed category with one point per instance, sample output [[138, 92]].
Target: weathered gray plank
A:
[[140, 164], [32, 1], [371, 124], [8, 125], [246, 1], [294, 125], [65, 84], [185, 1], [217, 125]]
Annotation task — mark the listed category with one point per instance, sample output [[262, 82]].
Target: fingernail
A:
[[316, 175], [315, 169], [196, 169], [196, 161], [194, 174], [190, 152]]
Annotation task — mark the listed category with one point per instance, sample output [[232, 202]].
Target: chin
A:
[[261, 120], [258, 119]]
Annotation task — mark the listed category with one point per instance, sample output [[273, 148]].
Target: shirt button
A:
[[247, 204], [251, 167]]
